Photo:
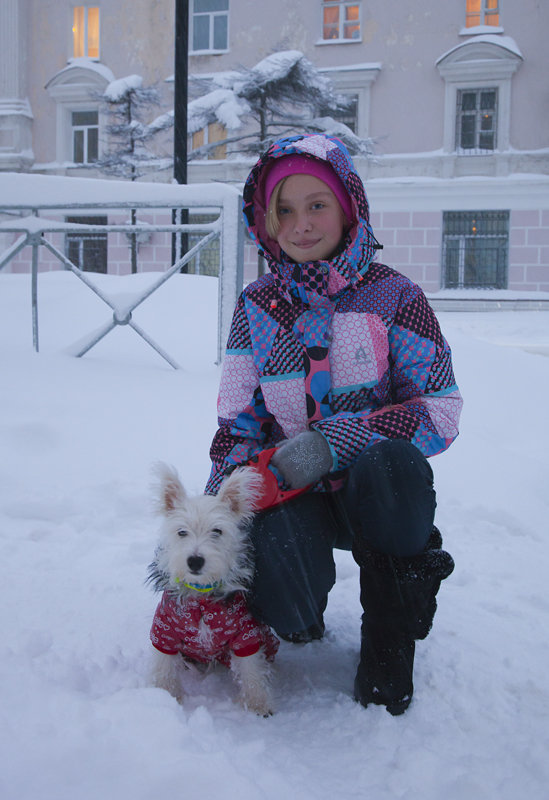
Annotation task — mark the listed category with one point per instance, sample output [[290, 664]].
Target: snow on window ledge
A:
[[339, 41], [479, 29], [208, 52]]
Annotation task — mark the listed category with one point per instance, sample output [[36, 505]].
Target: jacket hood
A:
[[360, 244]]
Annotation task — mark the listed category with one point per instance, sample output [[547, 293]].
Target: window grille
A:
[[206, 262], [349, 117], [87, 251], [475, 249], [476, 120]]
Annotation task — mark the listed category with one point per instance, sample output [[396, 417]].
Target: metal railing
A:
[[35, 230]]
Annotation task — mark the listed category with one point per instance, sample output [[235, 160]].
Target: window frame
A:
[[340, 4], [88, 241], [464, 246], [476, 64], [483, 13], [193, 15], [85, 129], [70, 90], [476, 114], [210, 134], [356, 81], [85, 32]]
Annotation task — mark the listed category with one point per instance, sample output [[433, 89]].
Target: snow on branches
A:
[[126, 101], [281, 95]]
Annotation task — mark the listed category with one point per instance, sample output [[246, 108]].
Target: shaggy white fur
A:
[[203, 549]]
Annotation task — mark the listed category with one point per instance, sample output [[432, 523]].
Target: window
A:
[[340, 20], [210, 25], [349, 117], [476, 120], [85, 136], [87, 251], [475, 248], [206, 261], [213, 133], [477, 105], [481, 12], [85, 31]]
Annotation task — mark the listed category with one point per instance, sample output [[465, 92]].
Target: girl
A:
[[339, 362]]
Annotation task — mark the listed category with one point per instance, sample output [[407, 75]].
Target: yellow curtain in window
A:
[[78, 31], [93, 32]]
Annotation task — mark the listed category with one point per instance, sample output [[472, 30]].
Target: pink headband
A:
[[285, 166]]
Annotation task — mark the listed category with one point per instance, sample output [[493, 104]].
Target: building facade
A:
[[453, 94]]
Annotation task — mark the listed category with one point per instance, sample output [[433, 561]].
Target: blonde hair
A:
[[272, 222]]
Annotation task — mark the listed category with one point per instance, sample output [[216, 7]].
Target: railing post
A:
[[231, 268], [35, 243]]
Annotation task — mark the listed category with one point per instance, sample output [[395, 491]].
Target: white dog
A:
[[203, 568]]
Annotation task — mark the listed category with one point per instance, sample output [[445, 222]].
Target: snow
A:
[[506, 42], [221, 105], [56, 191], [79, 717], [117, 90], [83, 62]]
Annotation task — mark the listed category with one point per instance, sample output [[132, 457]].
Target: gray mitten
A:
[[304, 459]]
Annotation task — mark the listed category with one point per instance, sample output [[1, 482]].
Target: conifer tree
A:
[[282, 95]]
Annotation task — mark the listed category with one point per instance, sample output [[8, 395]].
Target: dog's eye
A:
[[182, 532], [217, 531]]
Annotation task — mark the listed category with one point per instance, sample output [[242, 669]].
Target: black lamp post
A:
[[181, 78]]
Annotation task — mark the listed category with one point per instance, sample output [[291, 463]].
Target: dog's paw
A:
[[259, 704]]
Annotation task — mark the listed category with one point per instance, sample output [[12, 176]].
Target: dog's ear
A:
[[170, 491], [242, 491]]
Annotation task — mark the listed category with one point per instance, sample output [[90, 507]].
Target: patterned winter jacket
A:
[[348, 347]]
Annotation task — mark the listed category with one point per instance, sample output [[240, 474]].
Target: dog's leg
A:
[[167, 674], [253, 674]]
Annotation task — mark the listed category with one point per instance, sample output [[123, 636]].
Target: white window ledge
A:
[[207, 52], [338, 41], [480, 29]]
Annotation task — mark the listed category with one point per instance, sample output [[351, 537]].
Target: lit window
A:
[[210, 25], [213, 133], [476, 120], [85, 136], [481, 12], [475, 249], [340, 20], [85, 31]]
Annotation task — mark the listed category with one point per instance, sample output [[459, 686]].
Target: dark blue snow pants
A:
[[388, 499]]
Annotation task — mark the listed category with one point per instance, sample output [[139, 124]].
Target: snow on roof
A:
[[85, 63], [505, 42]]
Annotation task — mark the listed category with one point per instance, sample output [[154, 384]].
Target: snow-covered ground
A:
[[78, 717]]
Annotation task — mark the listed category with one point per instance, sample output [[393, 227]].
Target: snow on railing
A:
[[32, 196]]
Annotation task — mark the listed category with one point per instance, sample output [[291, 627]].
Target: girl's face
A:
[[311, 220]]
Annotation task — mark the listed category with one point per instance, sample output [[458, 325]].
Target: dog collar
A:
[[200, 587]]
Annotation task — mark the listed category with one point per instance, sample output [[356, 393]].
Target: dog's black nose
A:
[[195, 564]]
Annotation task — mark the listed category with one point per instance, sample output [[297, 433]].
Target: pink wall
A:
[[411, 244]]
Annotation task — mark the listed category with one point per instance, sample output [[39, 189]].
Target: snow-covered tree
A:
[[127, 155], [281, 95]]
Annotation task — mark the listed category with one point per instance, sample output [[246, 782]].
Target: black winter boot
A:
[[398, 596]]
